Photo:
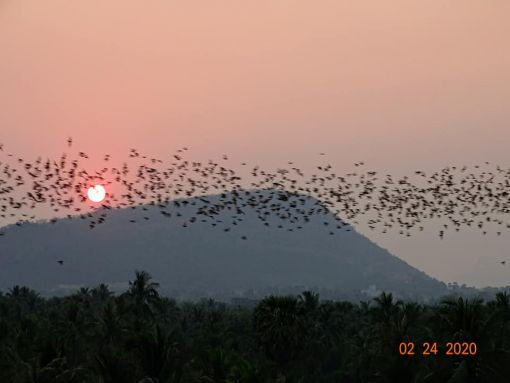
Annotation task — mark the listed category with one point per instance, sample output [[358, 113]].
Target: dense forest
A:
[[142, 337]]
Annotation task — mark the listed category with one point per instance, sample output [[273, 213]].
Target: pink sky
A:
[[400, 84]]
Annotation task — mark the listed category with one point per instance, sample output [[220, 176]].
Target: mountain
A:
[[202, 260]]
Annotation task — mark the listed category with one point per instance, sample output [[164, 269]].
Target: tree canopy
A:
[[95, 336]]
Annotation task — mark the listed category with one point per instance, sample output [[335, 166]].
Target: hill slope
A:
[[201, 260]]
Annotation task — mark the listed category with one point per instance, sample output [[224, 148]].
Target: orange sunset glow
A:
[[403, 85], [254, 191]]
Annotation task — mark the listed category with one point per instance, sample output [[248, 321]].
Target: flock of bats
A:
[[468, 196]]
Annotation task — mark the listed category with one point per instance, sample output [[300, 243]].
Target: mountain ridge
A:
[[199, 259]]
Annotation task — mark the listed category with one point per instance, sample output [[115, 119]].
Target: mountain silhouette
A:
[[201, 259]]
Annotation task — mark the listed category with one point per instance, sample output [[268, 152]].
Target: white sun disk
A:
[[96, 193]]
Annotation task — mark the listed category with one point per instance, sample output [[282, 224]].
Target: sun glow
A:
[[96, 193]]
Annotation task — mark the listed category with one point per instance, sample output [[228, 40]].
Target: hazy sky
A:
[[403, 85]]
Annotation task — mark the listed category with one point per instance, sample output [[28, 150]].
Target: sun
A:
[[96, 193]]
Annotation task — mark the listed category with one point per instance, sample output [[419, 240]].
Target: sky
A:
[[399, 84]]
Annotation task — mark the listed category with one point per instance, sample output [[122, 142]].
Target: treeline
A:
[[93, 336]]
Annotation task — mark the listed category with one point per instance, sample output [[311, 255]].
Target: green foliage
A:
[[94, 336]]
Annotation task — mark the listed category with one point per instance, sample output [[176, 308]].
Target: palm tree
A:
[[35, 371], [109, 325], [464, 320], [141, 302], [73, 328], [386, 307], [500, 318], [392, 323], [24, 296], [101, 293], [17, 291], [244, 371], [309, 301], [279, 328], [158, 353], [143, 291], [112, 364]]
